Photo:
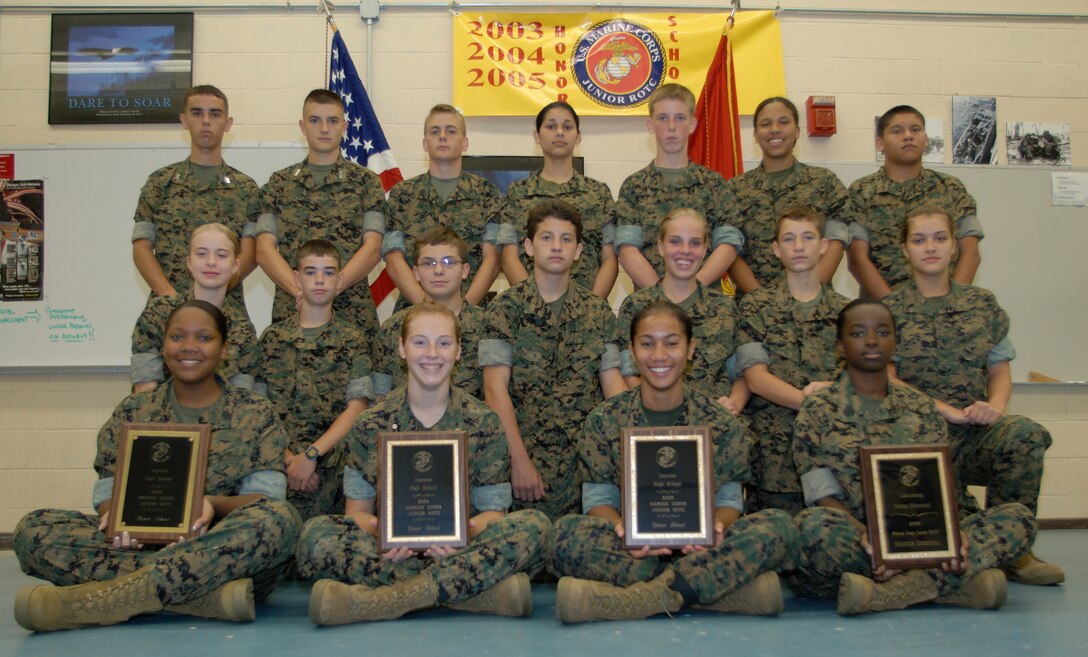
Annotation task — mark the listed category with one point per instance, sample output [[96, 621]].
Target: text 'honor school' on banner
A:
[[512, 64]]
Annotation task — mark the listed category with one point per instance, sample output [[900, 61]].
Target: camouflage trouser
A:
[[771, 454], [556, 460], [65, 547], [1006, 458], [758, 499], [335, 547], [587, 547], [830, 546], [327, 499]]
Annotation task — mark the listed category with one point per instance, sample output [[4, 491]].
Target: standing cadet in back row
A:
[[444, 196], [200, 190], [671, 181], [323, 197], [881, 200]]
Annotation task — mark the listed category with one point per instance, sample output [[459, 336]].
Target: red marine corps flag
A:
[[364, 142], [715, 144]]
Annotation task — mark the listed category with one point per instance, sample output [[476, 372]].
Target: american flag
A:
[[364, 143]]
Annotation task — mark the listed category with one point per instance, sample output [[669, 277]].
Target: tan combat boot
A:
[[985, 590], [582, 600], [1031, 570], [336, 603], [44, 608], [760, 597], [859, 594], [512, 596], [231, 602]]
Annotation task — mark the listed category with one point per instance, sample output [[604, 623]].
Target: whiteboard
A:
[[1032, 257]]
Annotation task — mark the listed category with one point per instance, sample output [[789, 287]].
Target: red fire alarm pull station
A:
[[821, 116]]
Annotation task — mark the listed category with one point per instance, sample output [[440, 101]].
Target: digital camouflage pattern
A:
[[65, 547], [149, 335], [467, 374], [587, 547], [333, 209], [554, 379], [881, 205], [173, 202], [943, 347], [830, 546], [646, 197], [831, 425], [755, 200], [486, 447], [309, 384], [800, 341], [599, 447], [714, 322], [471, 211], [335, 547], [593, 200]]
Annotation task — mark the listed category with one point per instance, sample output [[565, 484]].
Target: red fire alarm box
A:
[[820, 111]]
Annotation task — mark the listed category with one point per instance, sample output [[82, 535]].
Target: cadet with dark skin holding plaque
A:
[[243, 537], [358, 581], [603, 580], [864, 407]]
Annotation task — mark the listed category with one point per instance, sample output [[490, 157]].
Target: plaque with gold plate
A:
[[423, 494], [667, 486], [158, 485], [910, 505]]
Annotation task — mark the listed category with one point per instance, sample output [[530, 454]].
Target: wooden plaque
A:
[[667, 486], [158, 485], [910, 505], [423, 494]]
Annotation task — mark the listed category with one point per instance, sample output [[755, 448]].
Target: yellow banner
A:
[[512, 64]]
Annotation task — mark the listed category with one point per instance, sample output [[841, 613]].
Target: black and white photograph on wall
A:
[[934, 153], [119, 68], [974, 130], [1037, 143], [22, 239]]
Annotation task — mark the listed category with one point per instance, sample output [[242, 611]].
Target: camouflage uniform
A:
[[880, 205], [593, 200], [715, 324], [173, 202], [830, 427], [341, 209], [336, 547], [310, 383], [755, 200], [945, 348], [240, 365], [587, 546], [555, 366], [255, 540], [471, 211], [797, 344], [390, 370], [646, 197]]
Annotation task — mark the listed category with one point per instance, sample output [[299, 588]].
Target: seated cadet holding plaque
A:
[[246, 529], [213, 263], [865, 408], [318, 376], [682, 243], [361, 582], [954, 345], [604, 580]]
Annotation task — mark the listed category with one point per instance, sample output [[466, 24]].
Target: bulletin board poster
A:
[[22, 239], [119, 68], [604, 64]]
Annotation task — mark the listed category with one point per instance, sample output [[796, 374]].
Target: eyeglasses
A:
[[447, 262]]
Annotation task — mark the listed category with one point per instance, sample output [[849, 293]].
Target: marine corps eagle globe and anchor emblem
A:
[[618, 63]]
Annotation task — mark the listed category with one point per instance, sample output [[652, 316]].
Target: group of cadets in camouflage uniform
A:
[[560, 375]]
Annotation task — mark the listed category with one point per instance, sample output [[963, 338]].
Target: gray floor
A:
[[1036, 621]]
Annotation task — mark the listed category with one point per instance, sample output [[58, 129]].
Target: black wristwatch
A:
[[312, 453]]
